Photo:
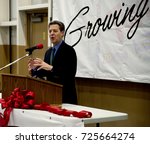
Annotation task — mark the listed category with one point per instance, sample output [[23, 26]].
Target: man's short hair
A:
[[61, 24]]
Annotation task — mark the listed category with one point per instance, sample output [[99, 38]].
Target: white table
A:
[[98, 115], [24, 117]]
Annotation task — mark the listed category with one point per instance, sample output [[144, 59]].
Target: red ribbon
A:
[[64, 112], [24, 99], [18, 99], [2, 120]]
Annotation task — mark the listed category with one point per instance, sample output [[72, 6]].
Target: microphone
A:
[[30, 50]]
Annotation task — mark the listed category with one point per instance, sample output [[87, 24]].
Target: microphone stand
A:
[[15, 61]]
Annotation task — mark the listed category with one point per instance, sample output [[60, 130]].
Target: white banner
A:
[[111, 37]]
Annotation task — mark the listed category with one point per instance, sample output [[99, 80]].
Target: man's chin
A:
[[53, 41]]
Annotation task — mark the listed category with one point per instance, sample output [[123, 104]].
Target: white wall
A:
[[4, 11], [13, 9], [39, 1], [4, 35]]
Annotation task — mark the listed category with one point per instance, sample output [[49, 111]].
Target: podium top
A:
[[29, 77]]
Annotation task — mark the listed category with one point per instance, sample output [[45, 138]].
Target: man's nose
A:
[[52, 32]]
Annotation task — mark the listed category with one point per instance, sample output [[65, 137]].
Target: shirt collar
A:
[[57, 45]]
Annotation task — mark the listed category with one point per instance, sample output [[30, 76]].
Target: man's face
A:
[[55, 34]]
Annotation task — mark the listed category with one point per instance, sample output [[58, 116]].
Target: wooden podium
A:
[[46, 92]]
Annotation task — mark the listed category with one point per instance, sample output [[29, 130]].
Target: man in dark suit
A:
[[60, 63]]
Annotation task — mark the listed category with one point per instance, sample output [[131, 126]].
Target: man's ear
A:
[[63, 33]]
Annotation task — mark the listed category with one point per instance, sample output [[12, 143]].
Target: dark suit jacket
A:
[[63, 72]]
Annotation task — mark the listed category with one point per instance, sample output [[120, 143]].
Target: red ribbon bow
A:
[[18, 99], [24, 99]]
